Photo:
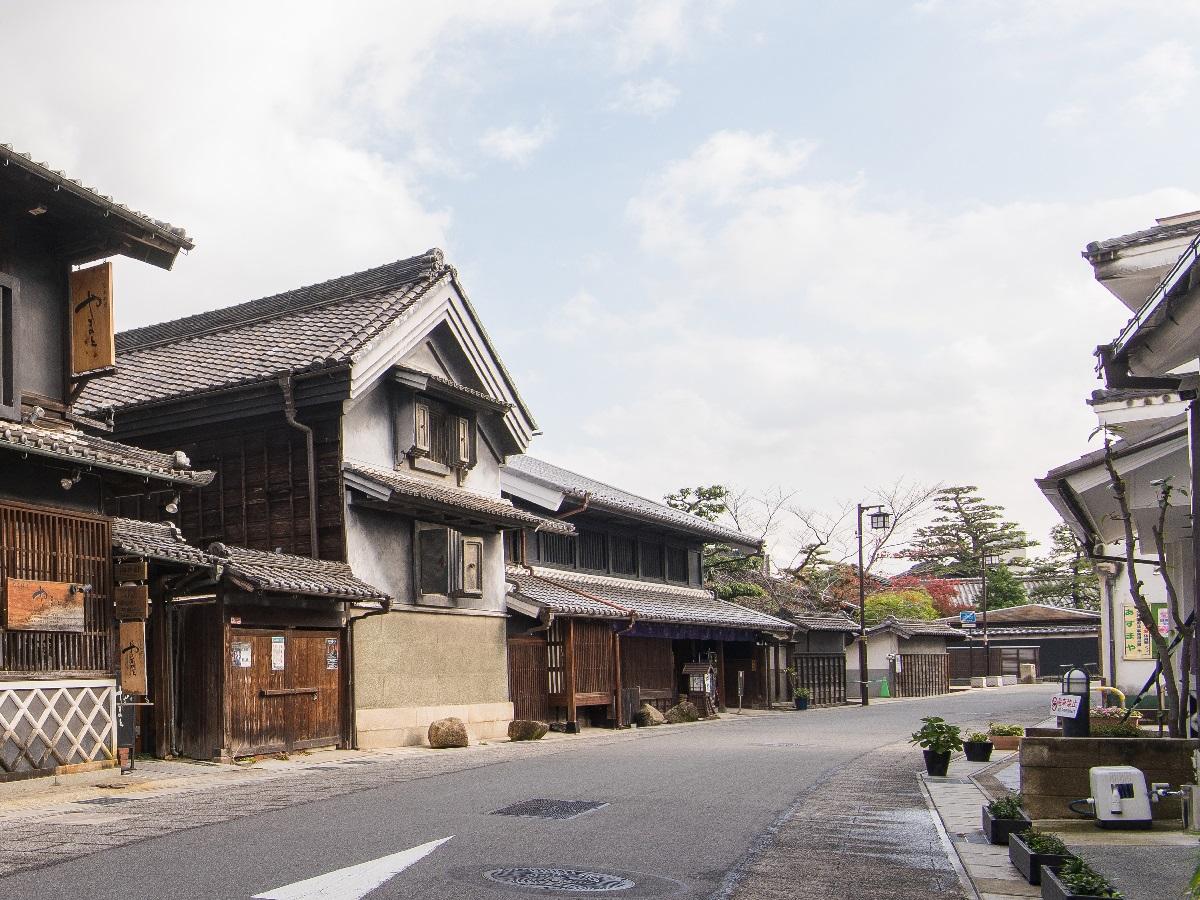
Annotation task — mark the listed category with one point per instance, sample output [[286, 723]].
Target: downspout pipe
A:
[[289, 413]]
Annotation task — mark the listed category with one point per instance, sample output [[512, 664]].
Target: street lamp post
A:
[[986, 558], [879, 521]]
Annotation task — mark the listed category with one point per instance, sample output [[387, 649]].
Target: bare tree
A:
[[1176, 685]]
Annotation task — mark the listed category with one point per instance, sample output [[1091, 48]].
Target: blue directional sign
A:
[[967, 618]]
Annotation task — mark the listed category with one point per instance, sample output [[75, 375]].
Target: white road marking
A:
[[352, 882]]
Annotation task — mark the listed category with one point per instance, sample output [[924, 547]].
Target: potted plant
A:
[[801, 696], [1003, 817], [938, 739], [1110, 721], [1075, 879], [977, 747], [1030, 850], [1005, 736]]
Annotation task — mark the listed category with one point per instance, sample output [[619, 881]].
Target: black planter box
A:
[[936, 764], [978, 751], [1053, 889], [801, 702], [1029, 863], [998, 830]]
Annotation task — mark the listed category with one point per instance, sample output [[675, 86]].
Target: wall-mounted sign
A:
[[1137, 637], [1066, 705], [92, 343], [130, 571], [966, 618], [132, 601], [278, 653], [43, 605], [241, 654], [133, 658], [331, 654]]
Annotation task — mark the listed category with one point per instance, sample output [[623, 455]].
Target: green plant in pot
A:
[[1076, 879], [1003, 817], [977, 747], [1005, 736], [1030, 850], [938, 738], [801, 696]]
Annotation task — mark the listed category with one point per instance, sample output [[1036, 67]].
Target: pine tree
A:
[[966, 530], [1065, 576]]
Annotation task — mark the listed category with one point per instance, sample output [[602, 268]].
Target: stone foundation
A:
[[409, 726]]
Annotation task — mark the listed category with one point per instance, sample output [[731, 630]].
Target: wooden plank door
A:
[[529, 678], [257, 717], [284, 689], [316, 667]]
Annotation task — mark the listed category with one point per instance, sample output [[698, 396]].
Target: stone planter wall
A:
[[1054, 770]]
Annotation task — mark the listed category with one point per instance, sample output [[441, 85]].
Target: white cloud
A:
[[516, 144], [289, 146], [1162, 80], [645, 98], [820, 339], [665, 29]]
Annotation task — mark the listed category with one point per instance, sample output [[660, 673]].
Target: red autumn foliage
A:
[[942, 591]]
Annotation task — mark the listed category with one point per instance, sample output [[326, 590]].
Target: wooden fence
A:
[[824, 674], [923, 675], [528, 678]]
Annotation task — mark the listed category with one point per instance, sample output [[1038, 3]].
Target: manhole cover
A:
[[105, 801], [550, 809], [575, 881]]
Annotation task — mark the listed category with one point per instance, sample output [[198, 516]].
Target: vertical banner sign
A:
[[133, 658], [278, 652], [92, 341], [1137, 636], [331, 654]]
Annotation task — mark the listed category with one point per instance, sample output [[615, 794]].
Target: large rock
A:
[[683, 711], [649, 715], [526, 730], [445, 733]]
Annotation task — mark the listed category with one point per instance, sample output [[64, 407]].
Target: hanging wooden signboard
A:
[[133, 658], [133, 601], [130, 571], [92, 335], [43, 605]]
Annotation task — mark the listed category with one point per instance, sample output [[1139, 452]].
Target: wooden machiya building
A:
[[616, 614], [61, 663], [357, 423], [248, 649]]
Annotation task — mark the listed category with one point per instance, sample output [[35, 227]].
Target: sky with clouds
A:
[[800, 244]]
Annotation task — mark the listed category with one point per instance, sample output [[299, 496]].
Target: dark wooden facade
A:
[[824, 674], [922, 674], [260, 496]]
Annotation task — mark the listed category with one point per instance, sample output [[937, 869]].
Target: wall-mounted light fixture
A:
[[171, 507], [71, 480]]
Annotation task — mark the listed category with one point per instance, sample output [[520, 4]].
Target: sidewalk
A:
[[1145, 865]]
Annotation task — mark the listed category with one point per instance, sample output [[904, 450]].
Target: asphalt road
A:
[[684, 807]]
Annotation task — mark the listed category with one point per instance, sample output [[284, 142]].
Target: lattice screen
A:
[[44, 724]]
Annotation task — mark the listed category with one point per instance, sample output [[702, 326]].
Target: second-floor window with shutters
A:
[[442, 435]]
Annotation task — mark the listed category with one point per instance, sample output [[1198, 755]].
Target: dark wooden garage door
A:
[[284, 689]]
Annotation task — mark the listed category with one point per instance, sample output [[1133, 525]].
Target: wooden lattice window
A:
[[652, 559], [624, 555], [557, 549], [593, 551], [39, 544], [677, 564]]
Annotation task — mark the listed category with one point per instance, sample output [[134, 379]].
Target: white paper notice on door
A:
[[242, 654], [278, 652]]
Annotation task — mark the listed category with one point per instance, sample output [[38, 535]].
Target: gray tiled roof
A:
[[1145, 236], [421, 493], [283, 573], [59, 181], [155, 540], [1034, 631], [824, 623], [314, 327], [566, 593], [86, 450], [1028, 613], [907, 628], [614, 500]]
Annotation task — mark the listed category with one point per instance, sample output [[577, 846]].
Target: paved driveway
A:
[[688, 811]]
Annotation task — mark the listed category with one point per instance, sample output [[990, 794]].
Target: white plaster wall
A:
[[1131, 674]]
